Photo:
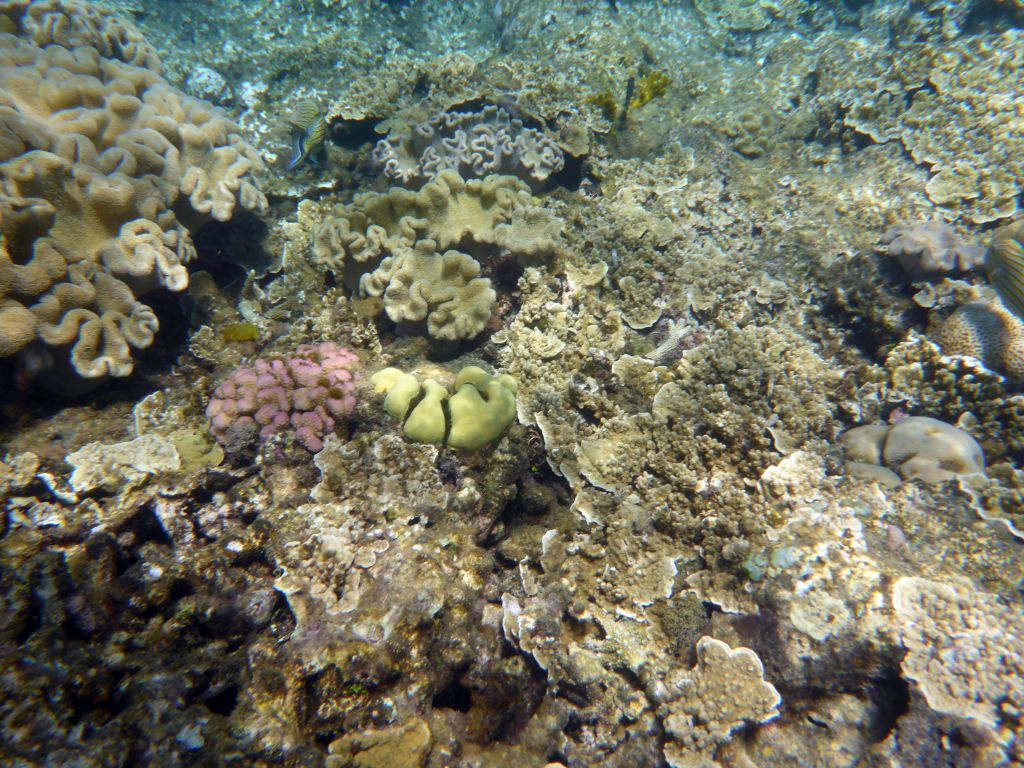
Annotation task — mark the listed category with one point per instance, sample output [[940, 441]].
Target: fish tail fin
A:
[[298, 151]]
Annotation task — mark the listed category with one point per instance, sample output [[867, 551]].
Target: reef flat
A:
[[579, 383]]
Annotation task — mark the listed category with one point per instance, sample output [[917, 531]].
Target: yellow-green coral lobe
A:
[[426, 422], [651, 86], [234, 333]]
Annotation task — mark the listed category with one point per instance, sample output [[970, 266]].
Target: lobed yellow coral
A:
[[105, 170], [481, 409]]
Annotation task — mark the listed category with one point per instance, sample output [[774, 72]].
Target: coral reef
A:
[[105, 172], [633, 544], [307, 393], [473, 144], [929, 99]]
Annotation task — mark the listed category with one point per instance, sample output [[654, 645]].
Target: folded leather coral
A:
[[106, 170], [475, 144], [423, 251]]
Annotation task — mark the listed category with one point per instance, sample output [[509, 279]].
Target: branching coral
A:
[[307, 393]]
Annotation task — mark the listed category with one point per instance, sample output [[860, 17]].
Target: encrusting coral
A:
[[105, 172], [930, 99], [963, 650], [723, 692]]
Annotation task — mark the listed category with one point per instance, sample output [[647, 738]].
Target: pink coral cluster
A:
[[306, 392]]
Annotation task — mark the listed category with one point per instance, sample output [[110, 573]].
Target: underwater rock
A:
[[208, 84], [117, 467]]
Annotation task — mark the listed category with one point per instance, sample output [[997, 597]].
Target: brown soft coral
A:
[[105, 171], [930, 248]]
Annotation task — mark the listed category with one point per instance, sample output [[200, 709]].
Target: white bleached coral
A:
[[963, 649], [725, 690]]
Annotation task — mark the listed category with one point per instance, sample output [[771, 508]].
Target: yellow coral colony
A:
[[481, 409]]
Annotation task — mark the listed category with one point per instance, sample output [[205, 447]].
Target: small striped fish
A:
[[309, 129], [1005, 265]]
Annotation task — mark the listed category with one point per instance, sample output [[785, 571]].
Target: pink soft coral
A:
[[307, 393]]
